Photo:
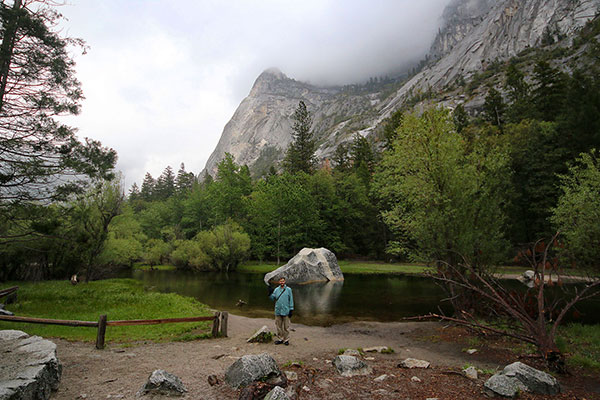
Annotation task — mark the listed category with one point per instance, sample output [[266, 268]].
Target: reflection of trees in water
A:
[[317, 298]]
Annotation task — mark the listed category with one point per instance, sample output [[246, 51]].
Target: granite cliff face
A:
[[473, 33]]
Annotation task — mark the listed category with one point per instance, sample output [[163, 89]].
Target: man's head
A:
[[282, 281]]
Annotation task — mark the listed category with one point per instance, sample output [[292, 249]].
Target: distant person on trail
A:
[[284, 306]]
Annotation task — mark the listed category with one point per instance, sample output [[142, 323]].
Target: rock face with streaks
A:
[[29, 368], [308, 266], [473, 33]]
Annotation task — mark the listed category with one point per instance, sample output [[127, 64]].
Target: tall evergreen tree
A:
[[460, 118], [549, 92], [165, 184], [391, 126], [134, 192], [300, 154], [494, 107], [518, 92], [184, 180], [41, 159], [147, 192]]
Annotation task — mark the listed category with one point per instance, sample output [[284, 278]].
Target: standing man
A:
[[284, 305]]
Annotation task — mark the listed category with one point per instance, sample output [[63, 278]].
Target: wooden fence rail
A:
[[219, 327], [6, 292]]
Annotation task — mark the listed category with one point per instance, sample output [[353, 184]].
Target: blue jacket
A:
[[284, 300]]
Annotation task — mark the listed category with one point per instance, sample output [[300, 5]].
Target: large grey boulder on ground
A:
[[518, 377], [351, 366], [251, 368], [29, 368], [164, 383], [308, 266]]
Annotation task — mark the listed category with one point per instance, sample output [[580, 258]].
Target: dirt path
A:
[[119, 372]]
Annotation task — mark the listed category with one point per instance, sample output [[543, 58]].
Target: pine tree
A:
[[494, 107], [391, 126], [134, 192], [518, 92], [165, 184], [148, 185], [184, 180], [549, 92], [300, 154], [42, 159], [460, 118]]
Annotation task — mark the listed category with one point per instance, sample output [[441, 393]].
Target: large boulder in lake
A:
[[29, 369], [308, 266]]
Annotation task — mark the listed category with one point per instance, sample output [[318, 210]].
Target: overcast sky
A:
[[162, 78]]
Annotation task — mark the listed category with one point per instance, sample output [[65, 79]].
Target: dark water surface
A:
[[358, 297]]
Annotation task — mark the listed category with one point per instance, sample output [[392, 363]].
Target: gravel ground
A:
[[119, 371]]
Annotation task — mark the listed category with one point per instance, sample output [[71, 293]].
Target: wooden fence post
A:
[[215, 328], [224, 317], [101, 332]]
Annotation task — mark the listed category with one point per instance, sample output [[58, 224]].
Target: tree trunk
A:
[[7, 48], [278, 238]]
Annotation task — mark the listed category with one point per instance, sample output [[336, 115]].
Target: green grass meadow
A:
[[119, 299]]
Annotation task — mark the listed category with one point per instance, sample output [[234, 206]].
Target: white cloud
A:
[[162, 78]]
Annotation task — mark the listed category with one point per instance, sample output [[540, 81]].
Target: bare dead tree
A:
[[535, 315]]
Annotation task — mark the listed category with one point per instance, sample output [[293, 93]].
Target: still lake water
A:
[[358, 297]]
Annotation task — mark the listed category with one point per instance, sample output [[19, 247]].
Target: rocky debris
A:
[[250, 368], [381, 378], [263, 335], [255, 390], [164, 383], [378, 349], [518, 377], [308, 266], [415, 379], [351, 366], [291, 375], [29, 368], [352, 352], [470, 372], [213, 380], [277, 394], [324, 383], [413, 363]]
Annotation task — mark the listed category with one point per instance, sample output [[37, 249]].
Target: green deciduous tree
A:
[[577, 214], [440, 200], [281, 216]]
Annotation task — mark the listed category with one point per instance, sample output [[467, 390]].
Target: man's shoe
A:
[[287, 343], [278, 341]]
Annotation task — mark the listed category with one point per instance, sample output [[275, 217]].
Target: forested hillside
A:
[[435, 180]]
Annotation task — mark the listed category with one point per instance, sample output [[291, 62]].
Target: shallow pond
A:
[[358, 297]]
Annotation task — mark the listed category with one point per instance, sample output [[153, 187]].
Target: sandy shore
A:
[[120, 370]]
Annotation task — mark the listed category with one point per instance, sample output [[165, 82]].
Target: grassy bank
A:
[[119, 299], [582, 343]]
